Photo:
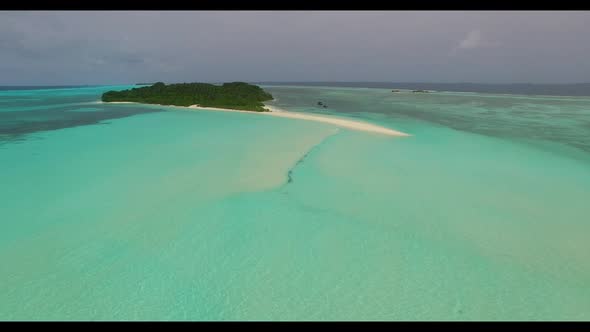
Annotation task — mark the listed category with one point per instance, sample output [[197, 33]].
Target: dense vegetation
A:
[[235, 95]]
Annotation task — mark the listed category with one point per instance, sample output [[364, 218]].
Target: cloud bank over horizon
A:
[[70, 47]]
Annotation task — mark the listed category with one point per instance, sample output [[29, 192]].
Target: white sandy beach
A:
[[344, 123], [274, 111]]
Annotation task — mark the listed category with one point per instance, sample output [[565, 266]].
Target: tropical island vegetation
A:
[[235, 95]]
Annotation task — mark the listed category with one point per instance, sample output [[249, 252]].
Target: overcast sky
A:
[[111, 47]]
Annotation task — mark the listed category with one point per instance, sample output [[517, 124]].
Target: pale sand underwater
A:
[[147, 212]]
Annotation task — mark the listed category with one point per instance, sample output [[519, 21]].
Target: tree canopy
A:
[[234, 95]]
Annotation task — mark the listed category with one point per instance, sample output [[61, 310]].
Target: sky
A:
[[122, 47]]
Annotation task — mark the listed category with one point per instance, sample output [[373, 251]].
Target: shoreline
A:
[[340, 122], [278, 112]]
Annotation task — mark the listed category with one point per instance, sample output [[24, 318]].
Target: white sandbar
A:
[[274, 111]]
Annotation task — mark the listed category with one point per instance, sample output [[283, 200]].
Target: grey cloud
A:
[[124, 59], [125, 47]]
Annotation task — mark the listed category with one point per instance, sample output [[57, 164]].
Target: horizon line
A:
[[390, 82]]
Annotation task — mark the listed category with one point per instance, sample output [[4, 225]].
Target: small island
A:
[[234, 95]]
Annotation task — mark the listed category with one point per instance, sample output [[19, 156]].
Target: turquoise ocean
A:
[[137, 212]]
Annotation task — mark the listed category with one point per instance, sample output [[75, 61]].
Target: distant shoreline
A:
[[575, 90], [516, 89], [278, 112]]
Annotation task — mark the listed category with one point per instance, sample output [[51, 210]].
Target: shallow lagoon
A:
[[123, 212]]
